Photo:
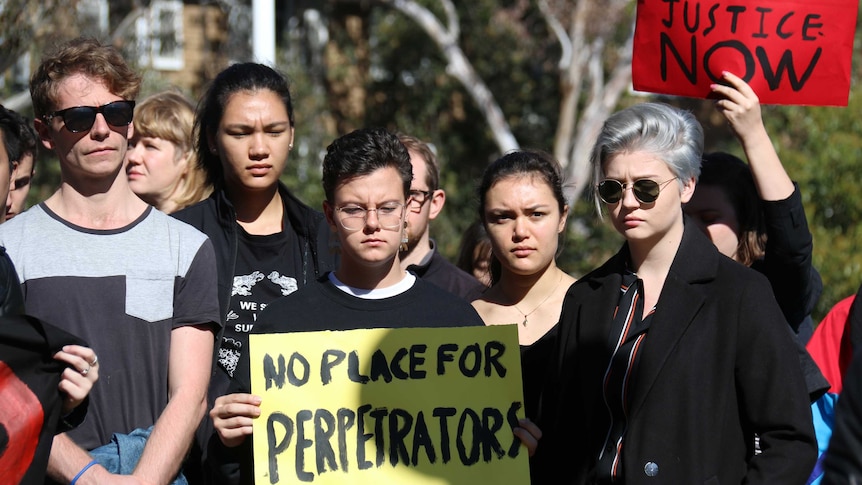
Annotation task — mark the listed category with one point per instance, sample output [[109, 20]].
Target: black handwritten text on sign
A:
[[790, 52]]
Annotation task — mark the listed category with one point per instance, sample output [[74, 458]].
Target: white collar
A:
[[376, 293]]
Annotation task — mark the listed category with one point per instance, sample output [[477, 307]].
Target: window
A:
[[166, 35], [160, 36], [93, 16]]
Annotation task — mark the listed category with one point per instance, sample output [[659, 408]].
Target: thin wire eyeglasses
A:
[[354, 217], [645, 191]]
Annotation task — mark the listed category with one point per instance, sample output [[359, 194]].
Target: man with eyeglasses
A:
[[138, 285], [419, 253]]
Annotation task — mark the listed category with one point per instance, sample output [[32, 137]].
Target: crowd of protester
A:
[[129, 294]]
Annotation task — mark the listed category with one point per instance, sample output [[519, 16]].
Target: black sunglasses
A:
[[645, 190], [81, 118]]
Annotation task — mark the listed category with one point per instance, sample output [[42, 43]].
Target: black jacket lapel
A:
[[680, 301]]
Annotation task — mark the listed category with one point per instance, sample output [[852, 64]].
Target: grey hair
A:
[[671, 134]]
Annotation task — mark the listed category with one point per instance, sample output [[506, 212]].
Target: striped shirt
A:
[[627, 337]]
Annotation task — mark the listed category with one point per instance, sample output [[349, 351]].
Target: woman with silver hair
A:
[[672, 358]]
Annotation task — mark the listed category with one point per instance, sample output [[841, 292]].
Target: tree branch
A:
[[459, 66]]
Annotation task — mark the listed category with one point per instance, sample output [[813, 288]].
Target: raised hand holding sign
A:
[[789, 51]]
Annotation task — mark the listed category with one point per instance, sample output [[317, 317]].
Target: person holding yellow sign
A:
[[366, 179]]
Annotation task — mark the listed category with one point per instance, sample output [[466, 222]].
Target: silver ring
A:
[[85, 371], [95, 361]]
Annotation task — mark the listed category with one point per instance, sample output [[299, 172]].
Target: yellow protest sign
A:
[[388, 406]]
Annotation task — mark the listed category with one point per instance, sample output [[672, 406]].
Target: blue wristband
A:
[[82, 472]]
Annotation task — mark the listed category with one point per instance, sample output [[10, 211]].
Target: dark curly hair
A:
[[362, 152]]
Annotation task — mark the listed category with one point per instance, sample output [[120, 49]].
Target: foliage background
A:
[[377, 68]]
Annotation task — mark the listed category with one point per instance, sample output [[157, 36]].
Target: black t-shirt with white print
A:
[[265, 270]]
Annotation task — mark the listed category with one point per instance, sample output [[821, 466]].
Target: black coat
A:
[[843, 460], [718, 367], [30, 401]]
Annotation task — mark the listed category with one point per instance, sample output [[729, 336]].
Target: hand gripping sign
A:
[[789, 51], [389, 406]]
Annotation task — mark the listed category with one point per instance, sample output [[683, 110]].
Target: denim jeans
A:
[[122, 454]]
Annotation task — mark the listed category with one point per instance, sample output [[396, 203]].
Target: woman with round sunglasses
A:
[[267, 242], [671, 357]]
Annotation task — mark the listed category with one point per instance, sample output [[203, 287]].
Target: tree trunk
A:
[[459, 66], [347, 61]]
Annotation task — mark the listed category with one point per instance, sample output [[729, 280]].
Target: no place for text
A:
[[388, 406], [405, 363]]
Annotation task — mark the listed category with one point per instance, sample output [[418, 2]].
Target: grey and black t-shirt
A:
[[123, 291]]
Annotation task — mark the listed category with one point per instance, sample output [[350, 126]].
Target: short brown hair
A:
[[432, 171], [85, 56]]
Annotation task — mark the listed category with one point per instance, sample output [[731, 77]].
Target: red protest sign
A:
[[789, 51]]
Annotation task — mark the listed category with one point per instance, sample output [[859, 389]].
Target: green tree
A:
[[544, 64]]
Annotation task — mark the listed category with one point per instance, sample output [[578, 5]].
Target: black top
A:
[[436, 269], [29, 376], [265, 270], [322, 306], [216, 218]]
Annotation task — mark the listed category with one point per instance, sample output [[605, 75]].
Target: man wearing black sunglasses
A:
[[78, 119], [97, 261]]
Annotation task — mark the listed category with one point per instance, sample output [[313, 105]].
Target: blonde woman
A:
[[161, 162]]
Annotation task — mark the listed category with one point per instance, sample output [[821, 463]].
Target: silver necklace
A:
[[524, 323]]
